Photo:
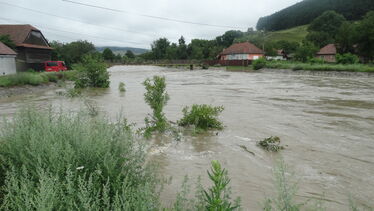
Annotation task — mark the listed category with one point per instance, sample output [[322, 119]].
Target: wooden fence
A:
[[228, 62]]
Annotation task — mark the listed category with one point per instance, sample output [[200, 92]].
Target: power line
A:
[[72, 19], [58, 30], [151, 16]]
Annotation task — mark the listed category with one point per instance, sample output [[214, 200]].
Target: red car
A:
[[55, 66]]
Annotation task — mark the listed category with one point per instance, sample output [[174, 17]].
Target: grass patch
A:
[[295, 34], [202, 117], [65, 161], [35, 78]]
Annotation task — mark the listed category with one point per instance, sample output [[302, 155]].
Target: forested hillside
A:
[[306, 11]]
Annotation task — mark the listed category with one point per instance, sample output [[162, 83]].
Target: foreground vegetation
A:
[[35, 78], [61, 161]]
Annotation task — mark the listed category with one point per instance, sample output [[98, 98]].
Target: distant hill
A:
[[305, 11], [122, 50]]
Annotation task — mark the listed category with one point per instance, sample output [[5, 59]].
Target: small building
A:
[[281, 56], [327, 53], [31, 46], [7, 60], [242, 51]]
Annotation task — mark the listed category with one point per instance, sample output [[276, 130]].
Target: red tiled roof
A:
[[242, 48], [329, 49], [26, 45], [5, 50]]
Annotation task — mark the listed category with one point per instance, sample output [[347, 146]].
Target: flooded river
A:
[[327, 123]]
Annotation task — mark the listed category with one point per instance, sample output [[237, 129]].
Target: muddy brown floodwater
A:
[[327, 121]]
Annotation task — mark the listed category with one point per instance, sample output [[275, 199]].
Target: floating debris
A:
[[271, 144]]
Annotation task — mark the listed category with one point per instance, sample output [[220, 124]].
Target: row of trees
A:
[[73, 52], [198, 49]]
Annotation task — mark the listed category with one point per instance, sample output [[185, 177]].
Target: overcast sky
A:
[[129, 26]]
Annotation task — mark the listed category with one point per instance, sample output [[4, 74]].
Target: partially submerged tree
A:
[[156, 97]]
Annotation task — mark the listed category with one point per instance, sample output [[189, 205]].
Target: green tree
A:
[[108, 54], [172, 52], [182, 48], [130, 54], [228, 38], [287, 46], [92, 72], [7, 41], [319, 38], [72, 52], [329, 22], [306, 51], [346, 37], [159, 48], [365, 39]]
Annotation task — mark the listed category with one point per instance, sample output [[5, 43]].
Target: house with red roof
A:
[[241, 51], [327, 53], [31, 46], [7, 60]]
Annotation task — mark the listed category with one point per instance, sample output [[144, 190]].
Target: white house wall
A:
[[7, 65]]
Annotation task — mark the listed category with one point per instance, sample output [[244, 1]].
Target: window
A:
[[52, 64]]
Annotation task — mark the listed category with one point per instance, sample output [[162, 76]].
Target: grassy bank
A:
[[28, 78], [319, 67]]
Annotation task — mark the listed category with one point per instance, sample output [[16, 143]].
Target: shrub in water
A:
[[64, 161], [259, 63], [156, 97], [92, 72], [271, 144], [121, 87], [202, 117]]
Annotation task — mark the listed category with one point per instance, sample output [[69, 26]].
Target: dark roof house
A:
[[31, 45], [327, 53]]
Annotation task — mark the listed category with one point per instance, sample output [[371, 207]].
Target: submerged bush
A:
[[202, 117], [121, 87], [156, 97], [92, 72], [271, 144], [259, 63], [63, 161]]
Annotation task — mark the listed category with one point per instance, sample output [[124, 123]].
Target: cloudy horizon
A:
[[139, 23]]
